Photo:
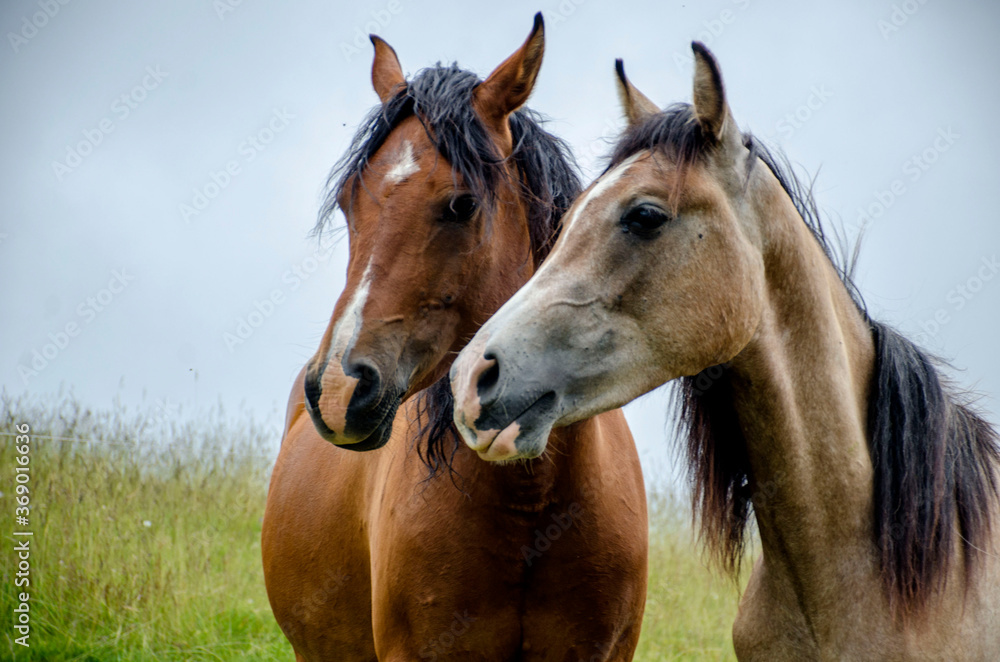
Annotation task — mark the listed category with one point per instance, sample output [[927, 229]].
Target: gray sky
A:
[[117, 114]]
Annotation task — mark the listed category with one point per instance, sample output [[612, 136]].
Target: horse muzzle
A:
[[500, 423], [352, 408]]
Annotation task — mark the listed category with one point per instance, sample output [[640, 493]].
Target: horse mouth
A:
[[360, 433], [530, 428]]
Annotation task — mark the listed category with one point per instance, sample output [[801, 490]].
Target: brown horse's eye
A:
[[460, 210], [643, 221]]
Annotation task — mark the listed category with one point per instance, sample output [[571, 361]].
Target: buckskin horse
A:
[[698, 255], [453, 194]]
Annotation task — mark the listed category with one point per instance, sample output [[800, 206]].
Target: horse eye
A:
[[460, 209], [643, 221]]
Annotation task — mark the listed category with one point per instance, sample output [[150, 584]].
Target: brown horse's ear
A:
[[387, 75], [509, 86], [710, 107], [635, 104]]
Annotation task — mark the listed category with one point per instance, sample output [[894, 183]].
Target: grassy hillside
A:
[[146, 545]]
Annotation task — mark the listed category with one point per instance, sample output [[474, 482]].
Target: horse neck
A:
[[568, 471], [800, 392]]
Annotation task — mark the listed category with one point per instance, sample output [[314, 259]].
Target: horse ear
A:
[[509, 86], [635, 104], [387, 75], [710, 107]]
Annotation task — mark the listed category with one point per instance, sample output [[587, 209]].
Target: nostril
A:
[[489, 377], [368, 382], [313, 391]]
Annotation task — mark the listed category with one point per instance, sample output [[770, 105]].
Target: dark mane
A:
[[541, 168], [934, 457], [441, 98], [674, 131]]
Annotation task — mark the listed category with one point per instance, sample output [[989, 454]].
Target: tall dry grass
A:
[[147, 543]]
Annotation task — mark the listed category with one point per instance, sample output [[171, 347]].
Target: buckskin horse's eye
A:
[[460, 209], [643, 221]]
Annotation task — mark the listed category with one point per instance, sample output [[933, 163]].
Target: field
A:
[[146, 544]]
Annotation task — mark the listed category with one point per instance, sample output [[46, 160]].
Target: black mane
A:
[[934, 457], [675, 131], [441, 98], [544, 172]]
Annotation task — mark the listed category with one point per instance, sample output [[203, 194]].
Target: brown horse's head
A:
[[449, 192]]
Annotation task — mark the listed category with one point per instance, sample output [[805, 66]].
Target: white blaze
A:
[[405, 165], [602, 185], [345, 332], [598, 189]]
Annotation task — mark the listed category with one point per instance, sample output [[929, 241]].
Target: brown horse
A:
[[697, 255], [452, 195]]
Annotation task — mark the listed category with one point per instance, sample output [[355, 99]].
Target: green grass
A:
[[690, 607], [147, 545]]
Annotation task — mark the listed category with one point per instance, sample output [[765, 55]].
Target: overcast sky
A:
[[128, 251]]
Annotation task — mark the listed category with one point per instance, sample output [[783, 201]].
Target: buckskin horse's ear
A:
[[710, 107], [635, 104], [509, 86], [387, 75]]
